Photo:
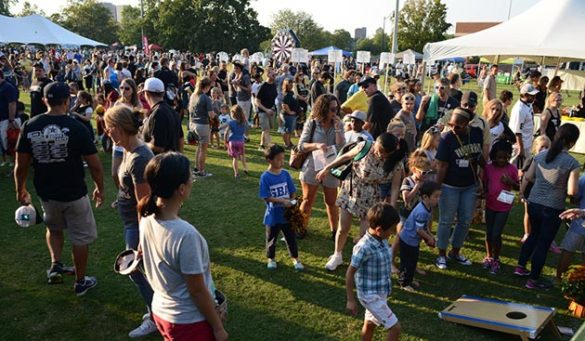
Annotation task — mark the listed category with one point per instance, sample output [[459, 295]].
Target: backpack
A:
[[342, 171]]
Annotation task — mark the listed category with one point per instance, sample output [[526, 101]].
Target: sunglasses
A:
[[426, 172], [401, 89], [408, 98], [333, 109], [440, 87], [433, 130], [125, 88]]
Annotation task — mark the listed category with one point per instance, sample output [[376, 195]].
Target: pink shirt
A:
[[491, 177]]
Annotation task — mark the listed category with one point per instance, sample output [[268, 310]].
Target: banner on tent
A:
[[299, 55], [387, 58], [363, 56], [335, 56]]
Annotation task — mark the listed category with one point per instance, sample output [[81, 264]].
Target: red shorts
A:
[[198, 331]]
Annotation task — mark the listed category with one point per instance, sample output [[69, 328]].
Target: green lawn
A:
[[263, 305]]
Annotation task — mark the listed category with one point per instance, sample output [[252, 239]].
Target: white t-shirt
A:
[[522, 122], [496, 132], [353, 136], [171, 249]]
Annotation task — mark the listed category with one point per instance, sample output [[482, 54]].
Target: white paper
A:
[[363, 56], [322, 159], [506, 197], [299, 55]]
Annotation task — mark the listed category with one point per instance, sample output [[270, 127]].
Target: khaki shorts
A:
[[75, 216], [203, 131], [265, 120]]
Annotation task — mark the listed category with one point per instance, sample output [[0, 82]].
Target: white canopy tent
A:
[[551, 29], [36, 29]]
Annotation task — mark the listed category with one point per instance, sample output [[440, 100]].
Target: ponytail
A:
[[565, 137], [398, 149], [147, 206]]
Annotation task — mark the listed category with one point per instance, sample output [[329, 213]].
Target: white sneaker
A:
[[147, 327], [441, 263], [333, 262], [280, 130]]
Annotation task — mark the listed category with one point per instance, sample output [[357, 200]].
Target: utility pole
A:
[[395, 33]]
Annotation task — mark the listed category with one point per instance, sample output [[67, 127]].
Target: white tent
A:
[[36, 29], [551, 28]]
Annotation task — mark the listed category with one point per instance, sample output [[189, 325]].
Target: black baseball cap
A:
[[366, 81], [469, 98], [57, 90]]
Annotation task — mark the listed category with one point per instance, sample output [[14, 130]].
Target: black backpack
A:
[[342, 171]]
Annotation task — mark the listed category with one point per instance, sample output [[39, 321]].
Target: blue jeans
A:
[[460, 201], [545, 224], [290, 123], [131, 236]]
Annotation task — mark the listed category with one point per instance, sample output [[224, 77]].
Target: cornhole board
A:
[[524, 320]]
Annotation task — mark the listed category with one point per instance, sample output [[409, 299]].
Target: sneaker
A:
[[460, 259], [408, 288], [271, 265], [541, 284], [299, 266], [280, 130], [145, 328], [203, 174], [261, 148], [554, 248], [81, 288], [195, 171], [441, 262], [56, 272], [333, 262], [114, 204], [487, 263], [521, 271], [495, 266]]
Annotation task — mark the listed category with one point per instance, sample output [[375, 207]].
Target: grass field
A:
[[263, 305]]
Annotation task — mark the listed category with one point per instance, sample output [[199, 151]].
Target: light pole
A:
[[142, 24], [395, 33], [384, 32]]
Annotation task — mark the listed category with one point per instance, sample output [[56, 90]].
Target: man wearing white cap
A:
[[357, 132], [522, 124], [162, 127]]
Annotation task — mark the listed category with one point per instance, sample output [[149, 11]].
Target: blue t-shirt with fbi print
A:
[[275, 186]]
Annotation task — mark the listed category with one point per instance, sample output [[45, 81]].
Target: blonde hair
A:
[[487, 110], [539, 141], [419, 160], [124, 118], [426, 142], [551, 98]]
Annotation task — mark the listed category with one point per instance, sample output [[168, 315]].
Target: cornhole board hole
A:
[[524, 320]]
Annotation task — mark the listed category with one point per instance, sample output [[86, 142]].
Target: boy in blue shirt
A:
[[277, 189], [417, 227], [369, 272]]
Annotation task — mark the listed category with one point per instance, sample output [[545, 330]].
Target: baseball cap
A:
[[154, 84], [57, 90], [127, 262], [360, 115], [27, 215], [366, 81], [528, 89], [39, 65], [469, 98]]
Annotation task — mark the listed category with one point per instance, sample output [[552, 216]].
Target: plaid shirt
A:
[[372, 259]]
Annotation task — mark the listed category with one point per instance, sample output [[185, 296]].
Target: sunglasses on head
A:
[[426, 172], [433, 130]]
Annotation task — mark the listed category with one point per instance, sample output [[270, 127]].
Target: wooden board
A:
[[513, 318]]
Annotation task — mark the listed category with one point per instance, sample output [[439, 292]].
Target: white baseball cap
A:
[[360, 115], [154, 85], [27, 215], [528, 89]]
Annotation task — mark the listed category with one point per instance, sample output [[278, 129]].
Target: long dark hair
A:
[[565, 137], [164, 174], [398, 149]]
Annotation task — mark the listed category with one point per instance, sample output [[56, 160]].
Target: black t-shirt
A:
[[222, 75], [341, 90], [57, 145], [291, 101], [379, 114], [37, 89], [462, 154], [457, 94], [163, 127], [267, 95], [167, 77], [396, 107], [317, 89], [132, 68]]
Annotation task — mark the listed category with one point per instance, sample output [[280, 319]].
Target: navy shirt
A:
[[462, 154], [8, 94]]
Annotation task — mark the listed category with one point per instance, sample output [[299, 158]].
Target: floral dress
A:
[[361, 190]]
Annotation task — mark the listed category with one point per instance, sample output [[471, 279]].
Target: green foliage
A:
[[311, 34], [573, 284], [90, 19], [421, 22], [379, 43], [130, 26], [30, 9], [209, 25], [5, 7], [342, 39]]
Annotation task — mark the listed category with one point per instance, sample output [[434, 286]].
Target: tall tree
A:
[[30, 9], [311, 35], [421, 22], [90, 19], [130, 25], [5, 7], [343, 40]]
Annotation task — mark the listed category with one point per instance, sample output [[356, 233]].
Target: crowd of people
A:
[[408, 154]]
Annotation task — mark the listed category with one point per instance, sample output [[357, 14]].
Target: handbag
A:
[[298, 157]]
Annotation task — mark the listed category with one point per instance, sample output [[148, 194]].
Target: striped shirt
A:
[[372, 259]]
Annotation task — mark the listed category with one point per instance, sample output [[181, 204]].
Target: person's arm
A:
[[12, 114], [573, 184], [226, 134], [396, 180], [97, 174], [23, 162], [442, 168], [351, 305], [544, 118], [408, 195], [520, 144], [341, 159], [422, 108], [205, 304], [426, 236]]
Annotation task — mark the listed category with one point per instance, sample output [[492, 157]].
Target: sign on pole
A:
[[409, 59], [299, 55], [386, 58], [335, 56], [363, 57]]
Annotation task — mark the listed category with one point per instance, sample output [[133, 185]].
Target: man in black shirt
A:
[[131, 65], [434, 107], [162, 129], [37, 106], [265, 102], [343, 86], [379, 110], [56, 145]]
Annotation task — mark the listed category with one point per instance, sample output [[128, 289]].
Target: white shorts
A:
[[378, 311], [3, 133]]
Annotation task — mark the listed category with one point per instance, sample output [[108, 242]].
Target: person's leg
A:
[[235, 166], [80, 254], [527, 226], [201, 156], [131, 237], [364, 225], [290, 239], [500, 222], [345, 220], [489, 233], [368, 331], [465, 209], [447, 207], [408, 261], [330, 195], [570, 244], [243, 159], [564, 263], [551, 220], [309, 195], [271, 238], [535, 214], [394, 332], [55, 242]]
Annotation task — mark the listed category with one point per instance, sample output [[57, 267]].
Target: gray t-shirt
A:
[[551, 179], [200, 110], [171, 249], [243, 95], [131, 172]]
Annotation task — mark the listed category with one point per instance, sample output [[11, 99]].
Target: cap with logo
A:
[[57, 90], [469, 98]]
